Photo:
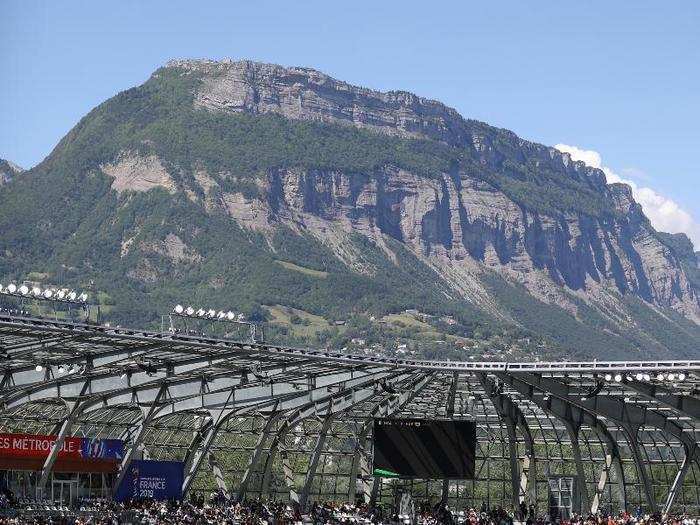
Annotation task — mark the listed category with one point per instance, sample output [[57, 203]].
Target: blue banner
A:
[[102, 448], [157, 480]]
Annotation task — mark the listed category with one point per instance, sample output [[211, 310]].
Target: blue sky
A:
[[619, 78]]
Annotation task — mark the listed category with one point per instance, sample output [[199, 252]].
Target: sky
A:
[[613, 83]]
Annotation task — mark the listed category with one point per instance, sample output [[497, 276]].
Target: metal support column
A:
[[386, 408], [677, 484], [635, 449], [585, 503], [257, 452], [218, 474], [522, 474], [140, 434], [450, 413], [315, 457], [514, 463], [64, 432], [202, 451]]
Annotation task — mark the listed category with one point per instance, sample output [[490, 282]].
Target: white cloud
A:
[[665, 214]]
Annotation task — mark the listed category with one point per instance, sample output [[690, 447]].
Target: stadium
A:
[[244, 420]]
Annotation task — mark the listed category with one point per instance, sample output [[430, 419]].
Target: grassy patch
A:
[[302, 269], [299, 322]]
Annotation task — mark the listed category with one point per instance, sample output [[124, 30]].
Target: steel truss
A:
[[261, 420]]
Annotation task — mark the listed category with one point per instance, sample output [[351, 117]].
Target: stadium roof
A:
[[108, 381]]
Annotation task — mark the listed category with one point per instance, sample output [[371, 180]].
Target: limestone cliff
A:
[[451, 219]]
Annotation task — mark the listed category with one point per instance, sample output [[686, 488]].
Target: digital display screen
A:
[[424, 449]]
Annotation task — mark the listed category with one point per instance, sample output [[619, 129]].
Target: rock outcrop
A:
[[8, 170]]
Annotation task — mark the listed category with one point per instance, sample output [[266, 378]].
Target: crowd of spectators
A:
[[220, 510]]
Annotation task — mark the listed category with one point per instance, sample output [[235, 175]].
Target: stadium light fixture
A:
[[189, 311], [671, 376], [38, 368], [230, 315], [660, 377], [639, 376], [608, 377], [618, 378], [681, 377], [178, 309], [45, 294], [646, 377]]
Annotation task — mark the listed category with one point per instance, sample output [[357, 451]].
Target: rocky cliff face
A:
[[8, 170], [455, 222]]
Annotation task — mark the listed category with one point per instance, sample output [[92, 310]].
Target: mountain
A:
[[347, 217], [8, 170]]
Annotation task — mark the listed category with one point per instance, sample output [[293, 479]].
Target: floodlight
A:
[[681, 377], [48, 293], [61, 294], [618, 378], [639, 376], [628, 377], [24, 289], [671, 377], [211, 313], [660, 377], [83, 297], [647, 377], [178, 309], [608, 377], [12, 288], [241, 317], [201, 312], [221, 315], [189, 310], [38, 368], [61, 369], [36, 291], [230, 316]]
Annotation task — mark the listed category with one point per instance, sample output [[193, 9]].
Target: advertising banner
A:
[[37, 446], [146, 479]]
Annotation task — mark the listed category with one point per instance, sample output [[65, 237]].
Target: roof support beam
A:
[[254, 459], [566, 411], [218, 474], [155, 407], [584, 501], [345, 399], [315, 457], [450, 413], [385, 408], [63, 433], [522, 475], [686, 405], [677, 484]]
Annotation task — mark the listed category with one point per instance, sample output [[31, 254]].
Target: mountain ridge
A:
[[521, 248]]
